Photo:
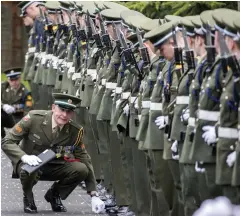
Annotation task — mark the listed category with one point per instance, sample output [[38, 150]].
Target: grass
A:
[[4, 78]]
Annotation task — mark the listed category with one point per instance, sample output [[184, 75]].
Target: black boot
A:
[[54, 198], [29, 205]]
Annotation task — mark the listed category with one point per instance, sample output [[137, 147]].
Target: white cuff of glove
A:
[[231, 158], [31, 160], [97, 205]]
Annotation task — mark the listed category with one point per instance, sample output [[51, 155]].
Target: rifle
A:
[[96, 35], [211, 50], [72, 26], [128, 54], [177, 51], [50, 35], [116, 38], [189, 56], [143, 50], [105, 36], [88, 26]]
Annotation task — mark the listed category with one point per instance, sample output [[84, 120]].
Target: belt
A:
[[69, 64], [76, 76], [103, 82], [91, 72], [31, 49], [230, 133], [111, 85], [146, 104], [209, 115], [133, 99], [182, 100], [125, 95], [118, 90], [191, 121], [155, 106]]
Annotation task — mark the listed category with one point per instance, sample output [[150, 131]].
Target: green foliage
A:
[[158, 9], [4, 78]]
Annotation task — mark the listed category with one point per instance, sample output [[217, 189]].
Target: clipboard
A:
[[45, 157]]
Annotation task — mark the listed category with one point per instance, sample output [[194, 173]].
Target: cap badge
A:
[[12, 71], [70, 101]]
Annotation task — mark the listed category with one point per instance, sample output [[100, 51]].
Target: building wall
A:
[[13, 36]]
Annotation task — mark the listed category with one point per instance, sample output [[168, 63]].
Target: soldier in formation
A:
[[158, 100]]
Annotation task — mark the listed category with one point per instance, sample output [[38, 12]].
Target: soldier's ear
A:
[[53, 107]]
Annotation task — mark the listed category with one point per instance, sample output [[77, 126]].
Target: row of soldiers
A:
[[159, 99]]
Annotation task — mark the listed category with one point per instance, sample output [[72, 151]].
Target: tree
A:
[[158, 9]]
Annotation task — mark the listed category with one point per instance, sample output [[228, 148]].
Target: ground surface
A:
[[78, 203]]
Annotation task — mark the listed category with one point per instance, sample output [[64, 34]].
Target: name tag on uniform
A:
[[36, 136]]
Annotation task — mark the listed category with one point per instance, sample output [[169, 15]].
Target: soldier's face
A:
[[14, 83], [33, 11], [28, 21], [166, 50], [61, 116]]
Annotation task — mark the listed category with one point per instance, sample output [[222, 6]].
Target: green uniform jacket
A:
[[228, 119], [155, 137], [105, 108], [61, 53], [194, 93], [35, 132], [29, 55], [171, 81], [182, 101], [91, 64], [209, 101], [21, 100], [147, 88], [100, 85]]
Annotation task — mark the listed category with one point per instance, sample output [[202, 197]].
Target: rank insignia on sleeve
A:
[[26, 118], [18, 128]]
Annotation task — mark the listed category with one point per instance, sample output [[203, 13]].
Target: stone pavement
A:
[[78, 203]]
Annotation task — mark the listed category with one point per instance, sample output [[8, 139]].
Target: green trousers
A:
[[68, 176], [126, 146], [177, 209], [121, 191], [142, 185], [189, 180], [103, 146], [44, 97], [91, 145], [206, 183], [161, 183]]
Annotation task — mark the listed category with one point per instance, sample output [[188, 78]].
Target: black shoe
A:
[[54, 198], [29, 206]]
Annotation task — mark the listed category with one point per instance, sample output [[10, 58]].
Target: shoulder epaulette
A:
[[76, 125], [39, 112]]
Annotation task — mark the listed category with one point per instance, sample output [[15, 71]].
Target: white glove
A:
[[9, 109], [118, 102], [209, 135], [136, 104], [126, 110], [185, 115], [231, 158], [161, 121], [198, 169], [174, 148], [97, 205], [31, 160], [113, 93]]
